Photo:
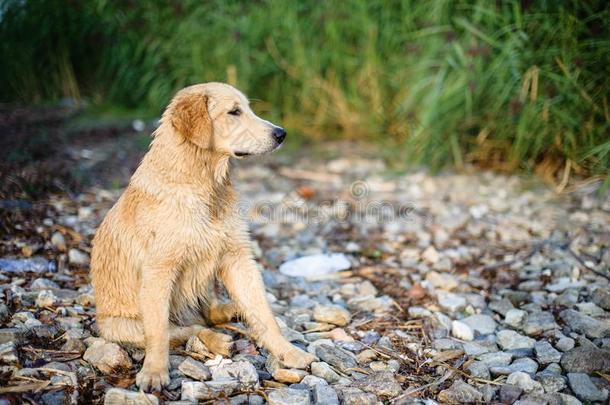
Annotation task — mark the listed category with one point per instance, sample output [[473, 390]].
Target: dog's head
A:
[[218, 117]]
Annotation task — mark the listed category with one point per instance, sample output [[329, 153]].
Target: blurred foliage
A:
[[502, 84]]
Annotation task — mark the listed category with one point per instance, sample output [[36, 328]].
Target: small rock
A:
[[119, 396], [501, 306], [545, 353], [483, 324], [496, 359], [195, 345], [443, 281], [586, 359], [195, 369], [451, 302], [107, 357], [336, 357], [242, 371], [315, 265], [288, 396], [324, 395], [78, 257], [461, 393], [461, 331], [8, 353], [59, 241], [584, 388], [585, 324], [509, 339], [539, 322], [509, 393], [323, 370], [525, 382], [525, 365], [515, 317], [43, 284], [45, 298], [565, 344], [334, 314], [366, 356], [355, 396], [312, 381], [200, 391], [381, 384], [601, 297], [551, 380], [478, 369]]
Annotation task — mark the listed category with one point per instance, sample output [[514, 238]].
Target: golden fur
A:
[[175, 231]]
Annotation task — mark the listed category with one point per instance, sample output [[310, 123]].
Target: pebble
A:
[[525, 382], [336, 357], [315, 265], [546, 353], [8, 353], [325, 395], [501, 306], [107, 357], [333, 314], [288, 396], [451, 302], [462, 331], [460, 393], [382, 384], [195, 369], [323, 370], [443, 281], [483, 324], [119, 396], [551, 380], [585, 324], [45, 298], [525, 365], [584, 389], [355, 396], [478, 369], [509, 393], [586, 359], [515, 317], [200, 391], [78, 257], [565, 344], [509, 339], [539, 322], [59, 241], [497, 359], [601, 297], [242, 371]]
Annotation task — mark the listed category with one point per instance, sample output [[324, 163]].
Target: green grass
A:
[[445, 82]]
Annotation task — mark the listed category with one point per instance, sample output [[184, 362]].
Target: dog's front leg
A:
[[157, 280], [245, 286]]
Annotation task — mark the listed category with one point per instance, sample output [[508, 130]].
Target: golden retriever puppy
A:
[[176, 230]]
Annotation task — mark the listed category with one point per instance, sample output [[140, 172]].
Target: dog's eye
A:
[[235, 111]]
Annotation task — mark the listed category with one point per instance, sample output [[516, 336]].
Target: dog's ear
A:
[[191, 118]]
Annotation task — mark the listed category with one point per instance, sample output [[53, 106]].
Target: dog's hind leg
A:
[[124, 330], [221, 313]]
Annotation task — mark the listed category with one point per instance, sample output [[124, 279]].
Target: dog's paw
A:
[[217, 343], [296, 358], [152, 379]]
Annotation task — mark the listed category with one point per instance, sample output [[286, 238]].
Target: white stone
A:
[[461, 331]]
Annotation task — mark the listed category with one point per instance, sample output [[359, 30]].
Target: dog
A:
[[175, 231]]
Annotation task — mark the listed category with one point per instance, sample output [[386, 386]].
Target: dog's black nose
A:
[[279, 134]]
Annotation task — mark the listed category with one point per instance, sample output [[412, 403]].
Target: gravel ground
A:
[[409, 288]]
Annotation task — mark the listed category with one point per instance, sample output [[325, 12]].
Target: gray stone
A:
[[509, 339], [461, 393], [515, 318], [355, 396], [451, 302], [551, 380], [545, 353], [525, 365], [460, 330], [333, 314], [336, 357], [539, 322], [118, 396], [478, 369], [601, 297], [586, 359], [289, 396], [323, 370], [312, 381], [78, 257], [584, 389], [8, 353], [509, 393], [325, 395], [195, 369], [43, 284], [381, 384], [201, 391], [483, 324], [567, 298], [496, 359], [107, 357], [525, 382], [565, 343], [242, 371], [501, 306], [585, 324]]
